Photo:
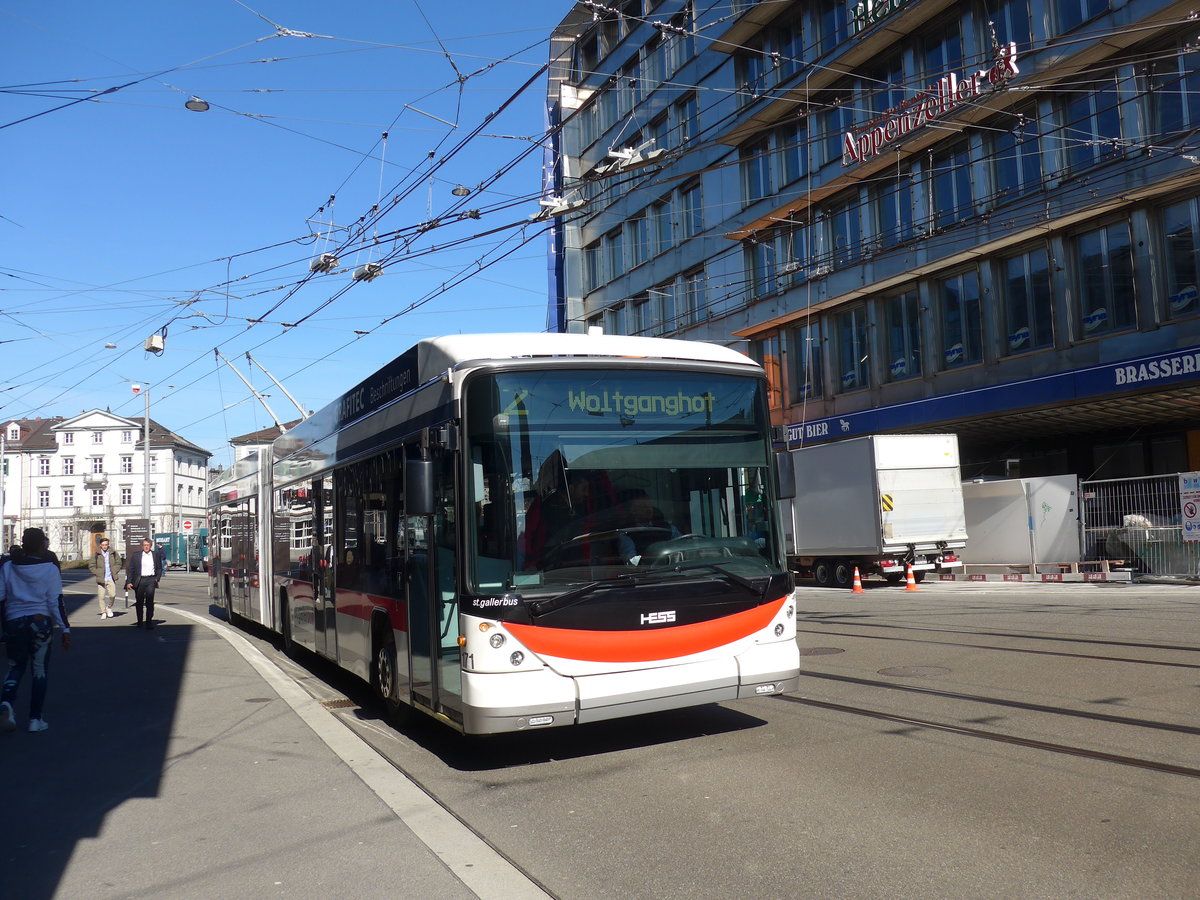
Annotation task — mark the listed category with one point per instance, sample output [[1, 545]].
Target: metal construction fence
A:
[[1137, 520]]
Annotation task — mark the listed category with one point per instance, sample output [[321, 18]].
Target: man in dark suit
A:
[[145, 570]]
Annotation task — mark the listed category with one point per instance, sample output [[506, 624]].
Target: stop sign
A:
[[187, 526]]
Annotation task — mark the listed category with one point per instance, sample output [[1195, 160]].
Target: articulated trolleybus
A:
[[516, 531]]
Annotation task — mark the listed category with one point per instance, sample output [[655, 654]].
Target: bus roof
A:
[[441, 353]]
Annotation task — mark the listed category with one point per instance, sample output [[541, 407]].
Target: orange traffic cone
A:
[[912, 582], [857, 589]]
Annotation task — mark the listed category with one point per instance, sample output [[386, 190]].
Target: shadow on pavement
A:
[[110, 705]]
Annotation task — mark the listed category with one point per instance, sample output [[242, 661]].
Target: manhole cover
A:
[[915, 671], [820, 651], [338, 704]]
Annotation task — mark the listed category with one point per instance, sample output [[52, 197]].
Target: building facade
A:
[[84, 477], [979, 217]]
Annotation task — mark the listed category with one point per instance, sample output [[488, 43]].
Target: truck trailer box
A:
[[879, 502]]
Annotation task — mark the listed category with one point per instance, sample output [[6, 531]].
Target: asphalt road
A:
[[966, 740]]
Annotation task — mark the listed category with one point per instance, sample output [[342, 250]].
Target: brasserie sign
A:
[[940, 99]]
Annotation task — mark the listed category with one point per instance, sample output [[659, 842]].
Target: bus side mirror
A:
[[418, 487], [785, 468]]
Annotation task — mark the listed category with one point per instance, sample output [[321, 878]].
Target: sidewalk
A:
[[180, 762]]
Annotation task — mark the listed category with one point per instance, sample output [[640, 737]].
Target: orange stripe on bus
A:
[[645, 646]]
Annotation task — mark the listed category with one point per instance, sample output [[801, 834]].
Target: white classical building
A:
[[85, 477]]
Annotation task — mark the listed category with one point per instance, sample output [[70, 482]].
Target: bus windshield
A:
[[594, 475]]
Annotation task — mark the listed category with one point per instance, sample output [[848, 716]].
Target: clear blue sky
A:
[[128, 213]]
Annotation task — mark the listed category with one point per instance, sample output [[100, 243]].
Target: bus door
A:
[[324, 611], [434, 655]]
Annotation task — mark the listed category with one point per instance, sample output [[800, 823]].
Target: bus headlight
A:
[[517, 658], [496, 640]]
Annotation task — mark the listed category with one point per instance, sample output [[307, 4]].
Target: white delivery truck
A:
[[880, 503]]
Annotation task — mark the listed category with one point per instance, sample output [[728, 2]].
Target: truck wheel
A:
[[823, 572], [894, 577], [843, 573], [918, 577]]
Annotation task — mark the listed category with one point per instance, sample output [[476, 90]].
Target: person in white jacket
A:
[[31, 591]]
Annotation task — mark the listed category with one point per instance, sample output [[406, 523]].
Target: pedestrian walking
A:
[[105, 565], [31, 594], [144, 571]]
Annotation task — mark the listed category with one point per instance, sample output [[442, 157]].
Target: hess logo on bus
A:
[[658, 618]]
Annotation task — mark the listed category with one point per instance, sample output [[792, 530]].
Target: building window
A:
[[1104, 266], [616, 319], [664, 294], [68, 437], [951, 176], [891, 205], [791, 149], [1092, 123], [756, 171], [833, 122], [126, 437], [1011, 21], [1175, 93], [1016, 153], [97, 496], [765, 352], [883, 86], [126, 464], [804, 354], [943, 50], [153, 463], [638, 234], [97, 465], [68, 497], [592, 273], [43, 497], [853, 350], [1181, 239], [760, 264], [660, 214], [797, 250], [1028, 302], [614, 254], [639, 315], [833, 24], [127, 496], [1070, 14], [960, 320], [691, 210], [68, 535], [845, 233], [685, 125], [691, 296], [44, 465], [68, 465], [97, 437], [903, 320], [153, 493]]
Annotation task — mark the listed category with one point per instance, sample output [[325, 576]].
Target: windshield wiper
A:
[[553, 604], [733, 577]]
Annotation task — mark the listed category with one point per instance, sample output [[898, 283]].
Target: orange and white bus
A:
[[515, 531]]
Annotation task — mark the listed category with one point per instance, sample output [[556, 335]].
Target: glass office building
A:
[[979, 217]]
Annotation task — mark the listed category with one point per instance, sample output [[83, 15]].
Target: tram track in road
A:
[[1026, 650], [1014, 740]]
